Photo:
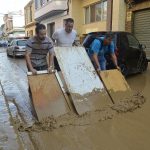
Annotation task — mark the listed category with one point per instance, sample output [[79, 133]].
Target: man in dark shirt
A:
[[37, 49]]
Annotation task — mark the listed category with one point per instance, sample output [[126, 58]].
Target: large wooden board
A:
[[86, 89], [116, 84], [47, 96]]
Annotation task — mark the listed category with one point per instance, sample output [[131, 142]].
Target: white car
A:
[[16, 47]]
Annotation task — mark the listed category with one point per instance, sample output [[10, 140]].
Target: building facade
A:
[[51, 13], [89, 15], [8, 23], [29, 19], [138, 21], [14, 24]]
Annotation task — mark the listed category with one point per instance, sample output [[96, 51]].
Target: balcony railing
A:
[[50, 7]]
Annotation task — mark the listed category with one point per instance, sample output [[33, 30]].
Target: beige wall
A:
[[88, 2], [94, 27], [58, 20], [28, 12], [77, 15], [28, 30], [29, 23], [118, 15], [8, 21]]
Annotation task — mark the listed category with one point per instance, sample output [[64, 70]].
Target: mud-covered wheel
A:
[[144, 65]]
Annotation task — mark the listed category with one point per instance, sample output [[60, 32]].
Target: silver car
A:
[[17, 47]]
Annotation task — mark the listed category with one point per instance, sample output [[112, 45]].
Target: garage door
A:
[[142, 28]]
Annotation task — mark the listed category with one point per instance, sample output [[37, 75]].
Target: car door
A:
[[12, 47], [134, 52], [9, 48]]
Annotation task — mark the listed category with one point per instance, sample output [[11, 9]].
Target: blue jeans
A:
[[103, 65]]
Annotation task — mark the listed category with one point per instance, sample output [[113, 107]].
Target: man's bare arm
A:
[[95, 59], [29, 64], [114, 59], [51, 62]]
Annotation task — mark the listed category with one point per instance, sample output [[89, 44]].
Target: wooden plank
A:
[[85, 87], [115, 84], [47, 96]]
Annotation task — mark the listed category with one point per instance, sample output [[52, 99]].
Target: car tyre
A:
[[8, 54], [144, 65]]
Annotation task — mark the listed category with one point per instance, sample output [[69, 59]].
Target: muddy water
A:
[[12, 77], [127, 131], [8, 135], [14, 81]]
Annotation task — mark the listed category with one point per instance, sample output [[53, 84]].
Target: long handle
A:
[[39, 72], [63, 90]]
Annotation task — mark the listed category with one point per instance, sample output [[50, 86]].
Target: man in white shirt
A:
[[65, 36]]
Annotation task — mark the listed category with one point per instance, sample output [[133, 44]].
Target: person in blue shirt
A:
[[99, 48]]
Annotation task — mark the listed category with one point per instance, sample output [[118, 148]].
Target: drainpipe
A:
[[109, 14], [68, 6]]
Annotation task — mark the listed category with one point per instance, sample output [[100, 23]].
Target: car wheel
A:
[[144, 65], [8, 53]]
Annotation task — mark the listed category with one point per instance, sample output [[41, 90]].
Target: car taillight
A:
[[16, 47]]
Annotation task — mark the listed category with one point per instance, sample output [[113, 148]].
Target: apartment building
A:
[[51, 13], [14, 24], [29, 11], [89, 15]]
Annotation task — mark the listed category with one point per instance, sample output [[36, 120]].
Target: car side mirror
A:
[[142, 46]]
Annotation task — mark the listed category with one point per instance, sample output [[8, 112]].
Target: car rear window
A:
[[133, 42], [21, 43]]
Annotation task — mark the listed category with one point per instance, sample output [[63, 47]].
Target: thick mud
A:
[[89, 118]]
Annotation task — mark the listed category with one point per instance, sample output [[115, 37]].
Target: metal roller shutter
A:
[[141, 28]]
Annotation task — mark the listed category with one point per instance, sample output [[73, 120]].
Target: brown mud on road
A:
[[89, 118], [119, 131]]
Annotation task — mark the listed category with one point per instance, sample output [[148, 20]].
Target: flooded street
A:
[[127, 131]]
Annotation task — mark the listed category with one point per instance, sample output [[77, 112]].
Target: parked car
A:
[[130, 53], [16, 47], [3, 43]]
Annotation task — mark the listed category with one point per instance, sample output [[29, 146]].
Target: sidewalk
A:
[[8, 136]]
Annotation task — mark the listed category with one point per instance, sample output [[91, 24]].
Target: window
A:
[[21, 43], [87, 15], [96, 12], [42, 2], [133, 42], [36, 4], [31, 14]]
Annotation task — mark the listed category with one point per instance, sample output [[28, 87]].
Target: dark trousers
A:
[[56, 64], [40, 68]]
